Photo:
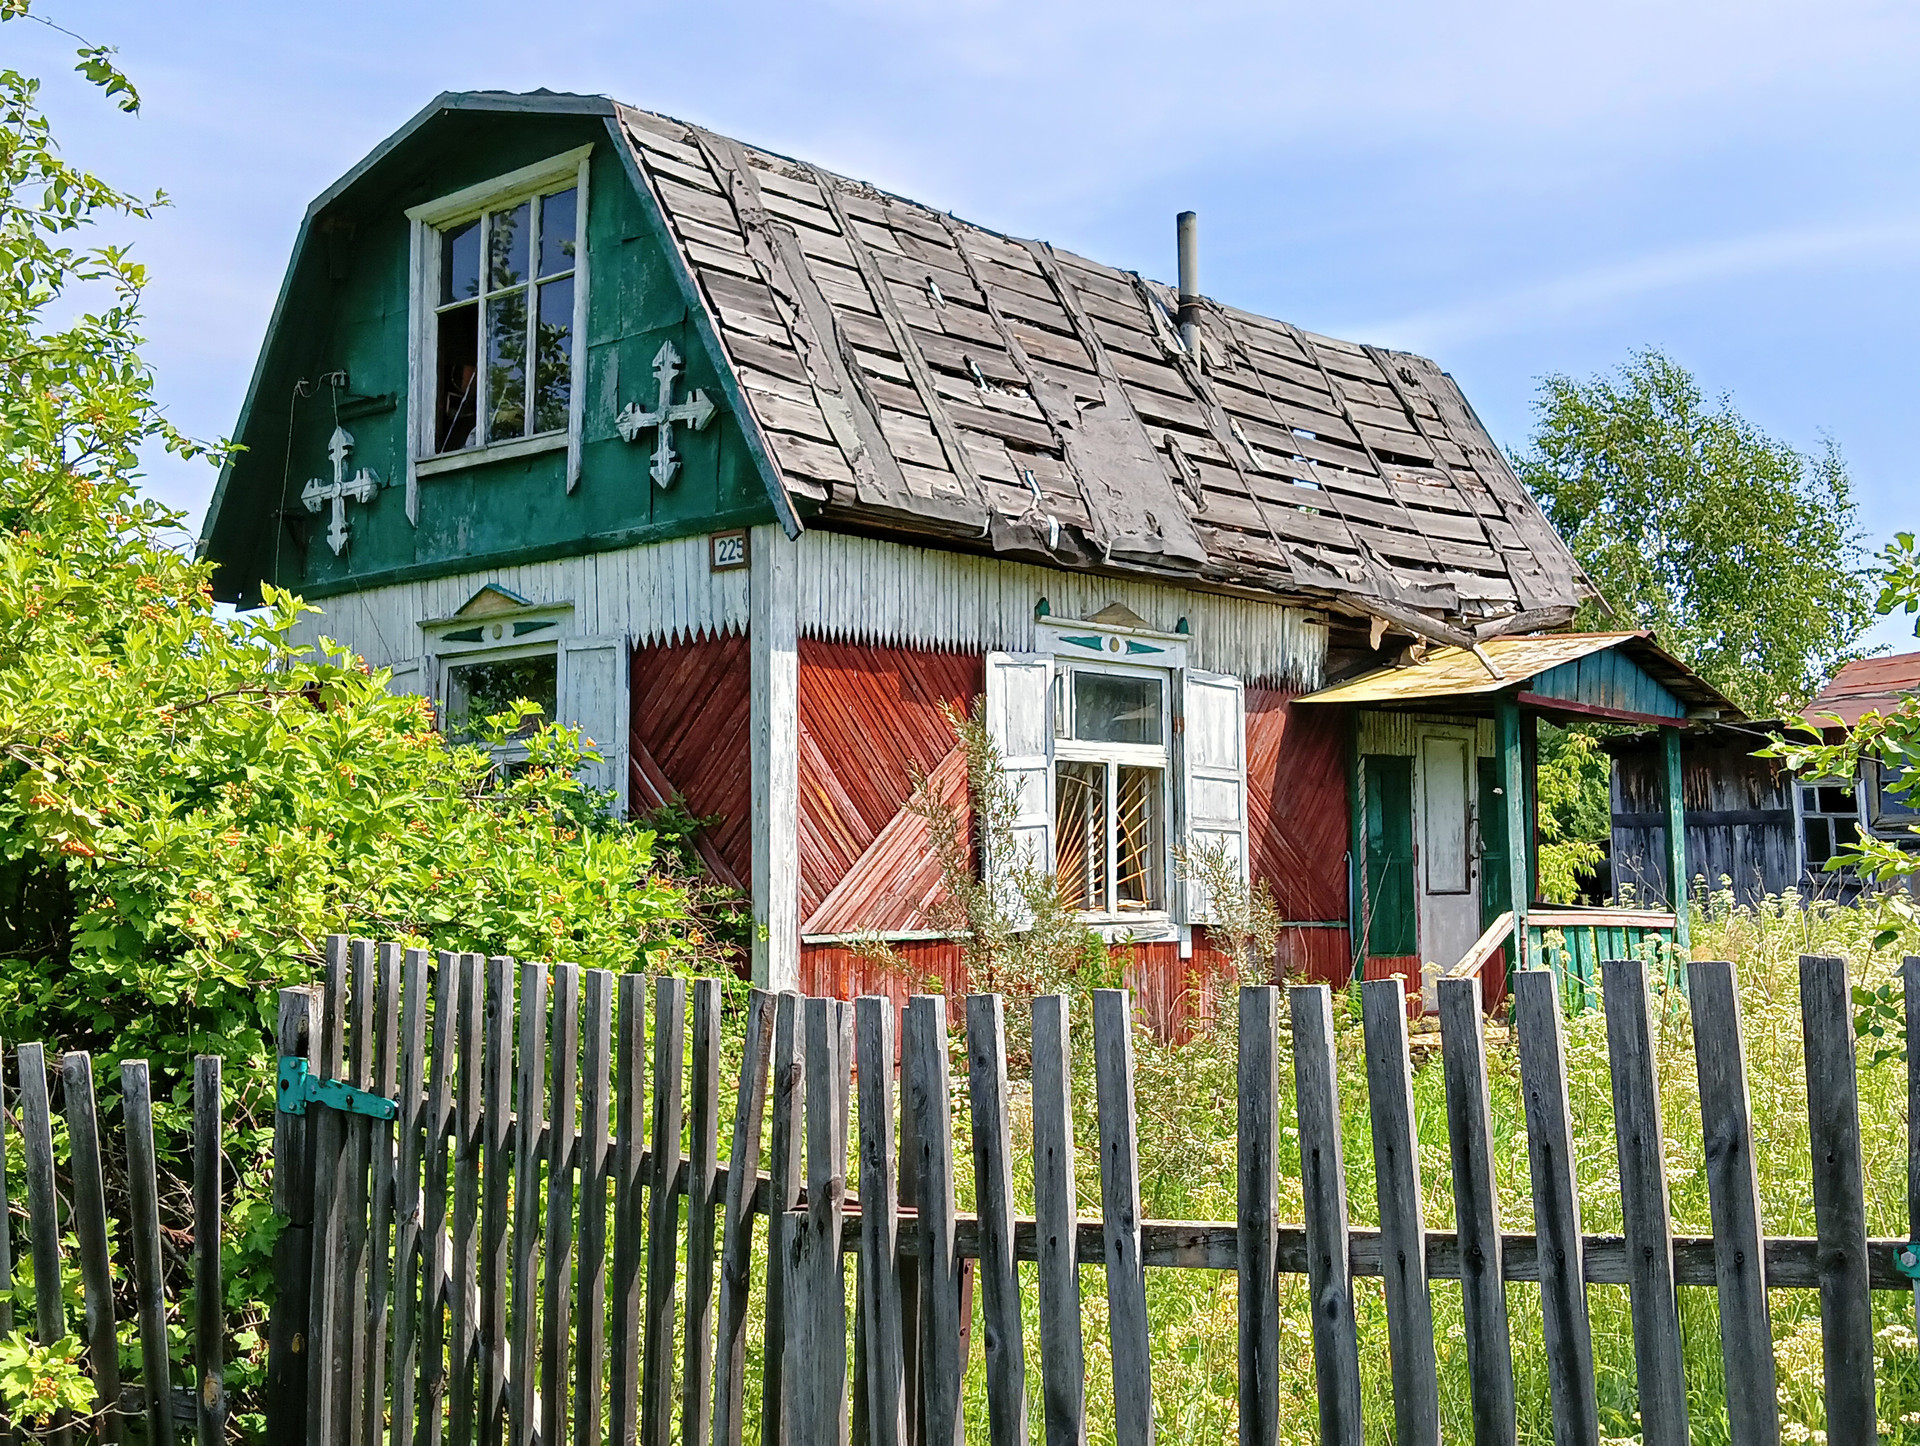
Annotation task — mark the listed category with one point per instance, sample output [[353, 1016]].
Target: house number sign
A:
[[726, 551]]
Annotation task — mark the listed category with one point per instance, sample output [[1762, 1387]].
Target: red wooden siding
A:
[[869, 720], [1172, 994], [689, 736], [1297, 814]]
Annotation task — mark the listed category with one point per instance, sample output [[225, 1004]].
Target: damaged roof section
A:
[[911, 372]]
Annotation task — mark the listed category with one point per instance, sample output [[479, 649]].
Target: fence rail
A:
[[556, 1237]]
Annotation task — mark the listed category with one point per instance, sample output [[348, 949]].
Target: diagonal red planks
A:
[[689, 735], [869, 722]]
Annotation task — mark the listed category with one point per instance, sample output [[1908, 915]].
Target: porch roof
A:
[[1624, 676]]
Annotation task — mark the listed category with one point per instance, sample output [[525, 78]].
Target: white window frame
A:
[[1067, 749], [541, 627], [428, 222]]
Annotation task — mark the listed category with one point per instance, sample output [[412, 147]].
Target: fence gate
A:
[[509, 1218]]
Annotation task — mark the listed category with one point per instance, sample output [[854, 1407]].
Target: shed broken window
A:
[[1829, 821]]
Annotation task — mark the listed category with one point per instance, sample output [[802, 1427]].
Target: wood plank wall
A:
[[1297, 812], [869, 720], [690, 716]]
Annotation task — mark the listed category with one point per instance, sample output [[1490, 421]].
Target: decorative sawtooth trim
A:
[[664, 592], [866, 590]]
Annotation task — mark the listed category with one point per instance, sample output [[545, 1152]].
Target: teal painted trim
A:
[[1133, 647], [1093, 643], [545, 552], [1356, 848], [1513, 784], [1609, 679], [703, 323], [449, 100], [1676, 841]]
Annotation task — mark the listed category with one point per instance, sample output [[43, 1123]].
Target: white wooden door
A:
[[1445, 872]]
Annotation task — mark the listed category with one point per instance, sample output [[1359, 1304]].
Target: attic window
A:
[[506, 296], [499, 302]]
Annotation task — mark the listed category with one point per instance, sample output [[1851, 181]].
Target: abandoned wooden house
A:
[[1754, 829], [747, 469]]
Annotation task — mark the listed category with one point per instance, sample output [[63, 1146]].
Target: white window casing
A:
[[590, 677], [1211, 779], [1019, 718], [593, 698], [428, 220]]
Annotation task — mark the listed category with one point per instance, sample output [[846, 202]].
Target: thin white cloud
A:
[[1577, 296]]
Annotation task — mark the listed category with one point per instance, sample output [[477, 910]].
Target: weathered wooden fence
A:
[[503, 1261], [73, 1201]]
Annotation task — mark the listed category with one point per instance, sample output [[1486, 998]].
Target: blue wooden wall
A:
[[1609, 679]]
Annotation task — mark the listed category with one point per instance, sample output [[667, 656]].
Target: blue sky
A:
[[1515, 189]]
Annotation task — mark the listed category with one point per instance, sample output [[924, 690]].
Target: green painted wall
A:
[[347, 309]]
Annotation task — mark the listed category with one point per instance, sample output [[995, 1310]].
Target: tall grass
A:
[[1186, 1097]]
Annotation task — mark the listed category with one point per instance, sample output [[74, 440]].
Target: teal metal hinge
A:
[[1906, 1260], [299, 1087]]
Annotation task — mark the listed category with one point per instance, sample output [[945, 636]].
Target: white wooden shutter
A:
[[412, 675], [592, 689], [1020, 721], [1213, 777]]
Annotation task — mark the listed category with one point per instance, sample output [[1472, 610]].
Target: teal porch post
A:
[[1676, 843], [1513, 790]]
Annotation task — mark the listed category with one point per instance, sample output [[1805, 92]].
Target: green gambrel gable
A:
[[877, 367], [345, 308]]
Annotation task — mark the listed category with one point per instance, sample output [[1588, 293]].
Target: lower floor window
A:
[[477, 690], [1110, 832]]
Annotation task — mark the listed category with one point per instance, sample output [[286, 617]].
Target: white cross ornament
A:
[[341, 490], [695, 412]]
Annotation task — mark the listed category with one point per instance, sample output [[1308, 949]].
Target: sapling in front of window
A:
[[506, 282], [478, 690], [1110, 785]]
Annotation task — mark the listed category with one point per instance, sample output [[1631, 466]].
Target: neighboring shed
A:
[[1739, 814], [1751, 826]]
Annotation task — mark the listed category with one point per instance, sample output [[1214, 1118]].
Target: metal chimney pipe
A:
[[1188, 229]]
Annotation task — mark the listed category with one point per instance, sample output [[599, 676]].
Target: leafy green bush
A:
[[190, 802]]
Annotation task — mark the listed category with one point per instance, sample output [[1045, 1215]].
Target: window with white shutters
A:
[[1114, 768]]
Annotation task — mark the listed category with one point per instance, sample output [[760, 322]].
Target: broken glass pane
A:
[[557, 232], [476, 691], [507, 366], [507, 247], [458, 370], [553, 356], [460, 263], [1137, 839]]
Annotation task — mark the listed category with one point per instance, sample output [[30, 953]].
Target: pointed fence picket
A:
[[76, 1198], [560, 1234]]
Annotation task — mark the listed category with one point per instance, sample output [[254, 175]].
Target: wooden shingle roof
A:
[[913, 373]]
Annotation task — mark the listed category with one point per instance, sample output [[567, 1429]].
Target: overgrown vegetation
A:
[[188, 803], [1186, 1098]]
